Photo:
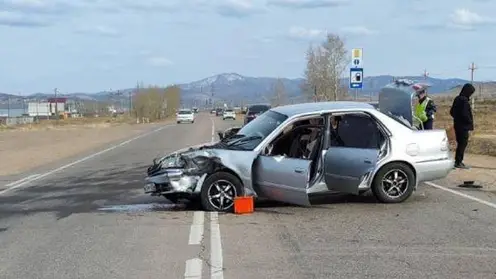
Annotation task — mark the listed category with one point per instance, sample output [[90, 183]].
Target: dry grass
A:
[[76, 123], [483, 138]]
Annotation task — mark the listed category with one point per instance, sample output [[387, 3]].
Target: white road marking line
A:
[[196, 230], [490, 204], [13, 184], [27, 181], [216, 270], [193, 269], [213, 130]]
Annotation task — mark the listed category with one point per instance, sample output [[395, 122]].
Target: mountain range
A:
[[234, 87]]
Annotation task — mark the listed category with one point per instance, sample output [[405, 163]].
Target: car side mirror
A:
[[221, 135]]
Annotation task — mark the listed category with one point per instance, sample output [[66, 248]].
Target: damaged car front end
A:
[[181, 175]]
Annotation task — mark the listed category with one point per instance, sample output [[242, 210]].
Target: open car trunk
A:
[[397, 99]]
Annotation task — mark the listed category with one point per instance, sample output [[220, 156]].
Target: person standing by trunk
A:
[[463, 122], [425, 109]]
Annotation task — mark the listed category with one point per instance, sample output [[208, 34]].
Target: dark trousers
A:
[[428, 125], [461, 144]]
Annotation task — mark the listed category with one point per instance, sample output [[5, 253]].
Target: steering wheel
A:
[[260, 134]]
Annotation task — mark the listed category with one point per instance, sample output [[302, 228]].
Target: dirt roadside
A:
[[482, 171], [21, 150]]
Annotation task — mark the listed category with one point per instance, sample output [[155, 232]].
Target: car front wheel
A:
[[394, 183], [219, 190]]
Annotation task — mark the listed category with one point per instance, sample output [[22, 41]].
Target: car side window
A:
[[358, 131]]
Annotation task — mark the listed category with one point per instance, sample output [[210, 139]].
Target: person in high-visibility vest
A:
[[425, 110]]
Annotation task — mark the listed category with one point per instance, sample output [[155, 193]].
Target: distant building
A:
[[39, 109]]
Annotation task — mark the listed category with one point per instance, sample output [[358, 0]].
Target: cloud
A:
[[99, 30], [238, 8], [36, 6], [159, 61], [148, 5], [357, 30], [468, 20], [12, 19], [302, 33], [306, 4]]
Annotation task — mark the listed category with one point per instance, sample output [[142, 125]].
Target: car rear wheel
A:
[[219, 190], [394, 183]]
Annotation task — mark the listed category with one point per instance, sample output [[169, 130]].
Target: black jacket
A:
[[461, 111]]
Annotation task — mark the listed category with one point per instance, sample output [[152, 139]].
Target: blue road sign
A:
[[356, 78]]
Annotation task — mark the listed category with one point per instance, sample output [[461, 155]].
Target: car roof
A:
[[185, 110], [291, 110], [257, 105]]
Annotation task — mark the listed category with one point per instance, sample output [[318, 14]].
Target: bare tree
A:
[[155, 103], [325, 66], [279, 95]]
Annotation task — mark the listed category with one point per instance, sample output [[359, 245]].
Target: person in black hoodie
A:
[[463, 122]]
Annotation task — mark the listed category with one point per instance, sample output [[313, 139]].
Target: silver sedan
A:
[[292, 152]]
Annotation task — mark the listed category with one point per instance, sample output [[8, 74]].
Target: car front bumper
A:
[[172, 181], [185, 119]]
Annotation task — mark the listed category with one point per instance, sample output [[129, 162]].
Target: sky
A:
[[96, 45]]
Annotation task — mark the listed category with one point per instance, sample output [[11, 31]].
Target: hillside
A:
[[236, 88]]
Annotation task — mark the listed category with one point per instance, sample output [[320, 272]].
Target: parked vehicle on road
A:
[[229, 114], [255, 110], [291, 153], [218, 111], [185, 115]]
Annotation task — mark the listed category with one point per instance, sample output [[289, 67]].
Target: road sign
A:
[[356, 57], [356, 78]]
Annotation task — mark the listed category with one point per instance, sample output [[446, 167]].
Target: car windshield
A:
[[258, 129], [258, 109], [228, 110], [184, 112]]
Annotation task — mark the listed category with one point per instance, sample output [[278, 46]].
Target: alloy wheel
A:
[[221, 194], [395, 183]]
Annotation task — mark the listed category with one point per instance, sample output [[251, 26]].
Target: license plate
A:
[[150, 187]]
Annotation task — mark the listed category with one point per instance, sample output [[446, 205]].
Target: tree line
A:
[[155, 103]]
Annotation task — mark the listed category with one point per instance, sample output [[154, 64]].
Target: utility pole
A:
[[472, 69], [8, 107], [56, 105]]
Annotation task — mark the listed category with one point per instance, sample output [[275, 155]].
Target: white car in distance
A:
[[185, 115], [229, 114]]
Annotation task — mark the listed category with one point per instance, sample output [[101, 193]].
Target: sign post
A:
[[356, 78], [356, 70]]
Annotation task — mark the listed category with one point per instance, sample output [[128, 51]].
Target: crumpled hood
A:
[[171, 159]]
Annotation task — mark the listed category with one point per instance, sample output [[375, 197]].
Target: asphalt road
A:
[[90, 219]]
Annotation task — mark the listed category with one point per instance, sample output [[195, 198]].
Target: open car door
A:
[[345, 168], [282, 178]]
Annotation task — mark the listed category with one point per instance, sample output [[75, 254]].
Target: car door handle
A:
[[299, 170], [367, 162]]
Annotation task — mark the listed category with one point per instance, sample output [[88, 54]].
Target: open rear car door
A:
[[345, 168]]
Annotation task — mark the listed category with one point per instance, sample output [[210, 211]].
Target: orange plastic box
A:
[[243, 205]]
